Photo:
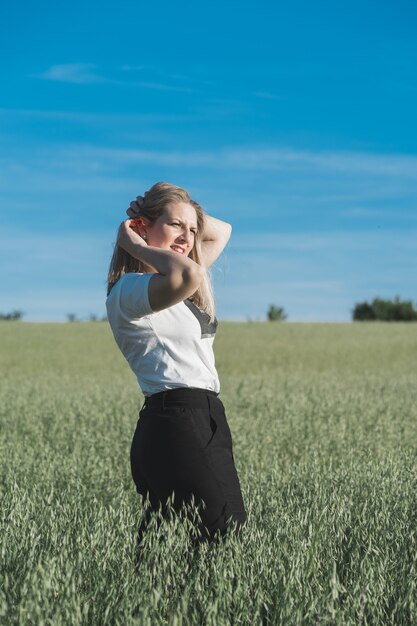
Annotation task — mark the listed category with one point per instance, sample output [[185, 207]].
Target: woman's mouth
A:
[[178, 249]]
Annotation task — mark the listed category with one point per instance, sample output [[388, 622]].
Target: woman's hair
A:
[[153, 206]]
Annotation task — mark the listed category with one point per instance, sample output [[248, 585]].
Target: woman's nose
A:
[[186, 236]]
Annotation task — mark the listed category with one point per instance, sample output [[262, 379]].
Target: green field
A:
[[324, 425]]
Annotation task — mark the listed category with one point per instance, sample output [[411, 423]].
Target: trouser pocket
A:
[[213, 427], [204, 427]]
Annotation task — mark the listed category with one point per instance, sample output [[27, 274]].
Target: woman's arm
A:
[[215, 236], [177, 277]]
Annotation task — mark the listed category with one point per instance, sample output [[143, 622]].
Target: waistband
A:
[[186, 395]]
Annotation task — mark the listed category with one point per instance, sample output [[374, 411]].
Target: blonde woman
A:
[[161, 310]]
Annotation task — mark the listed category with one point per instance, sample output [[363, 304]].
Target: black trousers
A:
[[182, 451]]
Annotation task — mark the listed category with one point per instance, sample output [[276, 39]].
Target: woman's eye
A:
[[178, 224]]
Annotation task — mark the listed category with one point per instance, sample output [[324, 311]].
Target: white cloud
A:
[[84, 73], [161, 87], [340, 161], [258, 159], [78, 73], [376, 213], [336, 240], [95, 118], [133, 68], [265, 95]]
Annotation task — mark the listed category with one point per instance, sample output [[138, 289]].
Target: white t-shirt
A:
[[167, 349]]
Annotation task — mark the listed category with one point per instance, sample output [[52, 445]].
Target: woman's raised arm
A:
[[215, 236], [177, 277]]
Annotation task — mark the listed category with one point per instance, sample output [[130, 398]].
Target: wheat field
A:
[[323, 418]]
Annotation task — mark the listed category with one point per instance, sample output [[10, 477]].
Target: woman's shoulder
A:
[[130, 294], [130, 280], [134, 277]]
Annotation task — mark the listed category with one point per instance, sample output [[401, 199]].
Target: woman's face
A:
[[175, 229]]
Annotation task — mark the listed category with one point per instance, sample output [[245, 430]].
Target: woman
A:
[[161, 310]]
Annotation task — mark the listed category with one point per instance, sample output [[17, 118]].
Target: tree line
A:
[[378, 310], [385, 311], [71, 317], [13, 315]]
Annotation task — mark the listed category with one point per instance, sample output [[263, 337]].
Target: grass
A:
[[323, 419]]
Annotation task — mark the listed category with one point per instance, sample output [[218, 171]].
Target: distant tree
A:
[[363, 312], [385, 311], [93, 317], [276, 313], [13, 315], [71, 317]]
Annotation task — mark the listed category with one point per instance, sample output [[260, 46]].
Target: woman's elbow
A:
[[194, 275], [228, 231]]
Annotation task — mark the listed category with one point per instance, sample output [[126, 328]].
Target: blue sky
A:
[[295, 123]]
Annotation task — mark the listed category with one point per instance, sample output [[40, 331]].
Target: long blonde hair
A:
[[154, 203]]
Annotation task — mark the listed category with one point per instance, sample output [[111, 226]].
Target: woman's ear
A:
[[143, 225], [139, 225]]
